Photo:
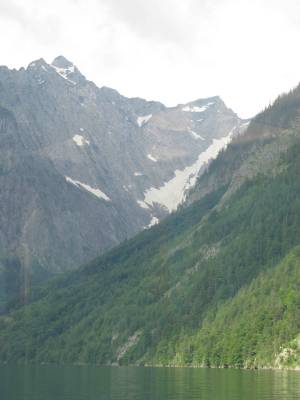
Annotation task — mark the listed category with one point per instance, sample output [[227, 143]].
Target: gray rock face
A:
[[83, 168]]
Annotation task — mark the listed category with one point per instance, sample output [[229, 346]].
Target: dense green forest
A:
[[261, 321], [215, 284]]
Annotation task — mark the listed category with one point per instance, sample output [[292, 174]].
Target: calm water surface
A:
[[100, 383]]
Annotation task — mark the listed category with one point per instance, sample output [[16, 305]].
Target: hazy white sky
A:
[[174, 51]]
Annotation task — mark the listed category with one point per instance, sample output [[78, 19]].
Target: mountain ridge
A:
[[111, 163]]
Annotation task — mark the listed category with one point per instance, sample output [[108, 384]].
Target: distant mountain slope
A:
[[83, 168], [170, 295], [269, 135]]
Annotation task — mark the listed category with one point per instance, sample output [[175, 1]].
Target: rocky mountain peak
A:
[[62, 62], [201, 105], [37, 64], [67, 70]]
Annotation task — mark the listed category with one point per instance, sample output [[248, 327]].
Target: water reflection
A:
[[100, 383]]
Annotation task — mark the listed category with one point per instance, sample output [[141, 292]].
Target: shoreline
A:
[[82, 364]]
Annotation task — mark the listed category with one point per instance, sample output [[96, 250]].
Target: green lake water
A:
[[135, 383]]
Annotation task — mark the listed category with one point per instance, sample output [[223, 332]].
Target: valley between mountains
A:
[[215, 284], [84, 168]]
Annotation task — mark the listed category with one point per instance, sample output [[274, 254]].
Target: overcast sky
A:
[[174, 51]]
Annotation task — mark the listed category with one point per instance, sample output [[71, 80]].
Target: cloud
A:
[[33, 20], [159, 20]]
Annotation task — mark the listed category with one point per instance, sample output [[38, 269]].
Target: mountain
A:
[[214, 284], [83, 168]]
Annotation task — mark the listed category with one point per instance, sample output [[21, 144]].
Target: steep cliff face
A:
[[83, 168]]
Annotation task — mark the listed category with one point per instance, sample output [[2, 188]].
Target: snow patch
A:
[[96, 192], [143, 120], [80, 140], [154, 221], [196, 109], [150, 156], [142, 204], [65, 72], [196, 135], [173, 192]]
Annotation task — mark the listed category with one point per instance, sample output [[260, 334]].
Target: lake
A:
[[135, 383]]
